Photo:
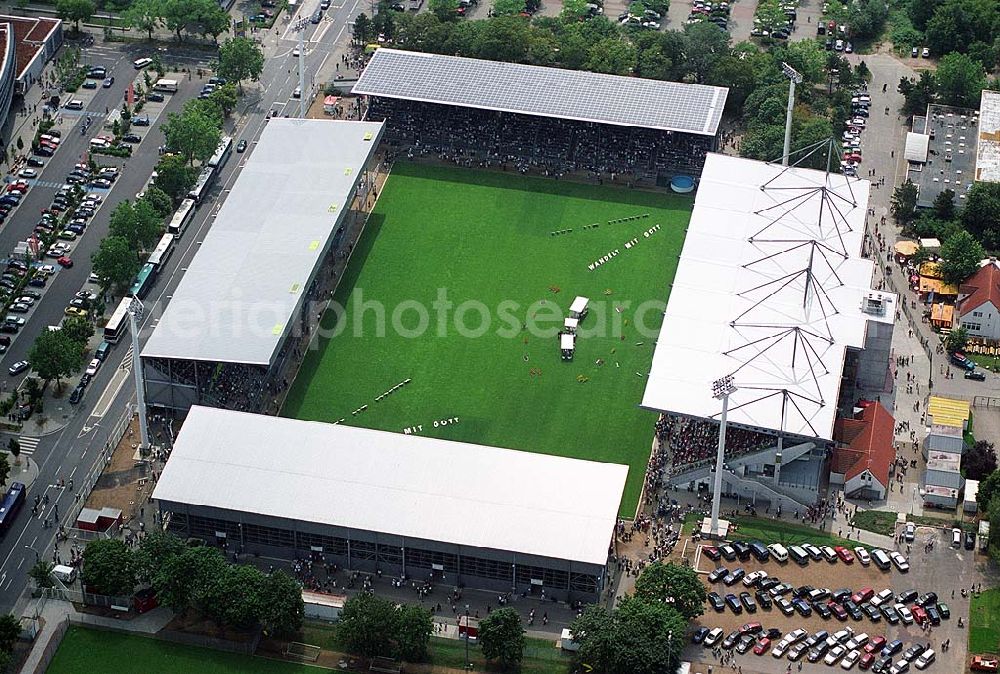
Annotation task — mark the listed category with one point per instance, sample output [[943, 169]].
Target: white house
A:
[[979, 302]]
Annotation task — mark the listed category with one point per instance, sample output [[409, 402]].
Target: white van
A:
[[779, 552], [141, 63], [75, 104], [64, 574], [881, 559], [98, 143], [956, 538]]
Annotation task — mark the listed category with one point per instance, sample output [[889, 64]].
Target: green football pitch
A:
[[473, 284], [85, 651]]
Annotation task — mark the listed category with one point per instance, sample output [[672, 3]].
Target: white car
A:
[[834, 654], [30, 301], [713, 637], [904, 614], [141, 63], [925, 52], [850, 659], [94, 197], [926, 658], [862, 556], [900, 561], [782, 648], [46, 269], [27, 173], [840, 637], [94, 366], [857, 642], [296, 52], [752, 578]]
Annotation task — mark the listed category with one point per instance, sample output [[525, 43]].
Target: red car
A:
[[65, 261], [762, 646], [751, 628], [919, 615], [838, 611], [875, 645], [983, 663], [866, 661], [862, 595], [846, 556], [712, 553]]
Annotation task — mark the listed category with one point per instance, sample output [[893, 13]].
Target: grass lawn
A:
[[485, 238], [84, 651], [984, 622], [771, 531], [879, 521]]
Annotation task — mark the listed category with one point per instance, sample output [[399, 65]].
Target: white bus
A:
[[182, 216], [218, 160], [166, 85], [204, 183], [118, 325], [162, 252]]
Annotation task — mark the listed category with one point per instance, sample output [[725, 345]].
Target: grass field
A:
[[485, 238], [984, 622], [771, 531], [84, 651]]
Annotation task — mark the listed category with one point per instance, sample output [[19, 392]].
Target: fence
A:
[[985, 401], [51, 647], [248, 647]]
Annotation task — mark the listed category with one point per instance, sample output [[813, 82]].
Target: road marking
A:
[[111, 391], [28, 444]]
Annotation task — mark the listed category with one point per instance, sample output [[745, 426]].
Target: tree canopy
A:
[[241, 59], [55, 355], [962, 255], [674, 584], [107, 567], [639, 637], [502, 636]]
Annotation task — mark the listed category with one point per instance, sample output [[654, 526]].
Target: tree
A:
[[75, 11], [10, 632], [175, 177], [613, 56], [944, 205], [508, 7], [367, 624], [904, 203], [706, 45], [918, 94], [362, 29], [239, 596], [14, 447], [116, 261], [212, 18], [177, 14], [962, 255], [444, 10], [41, 573], [960, 80], [574, 10], [989, 488], [192, 134], [107, 567], [241, 59], [674, 584], [144, 15], [956, 340], [224, 98], [184, 580], [159, 200], [155, 550], [981, 214], [414, 625], [502, 637], [78, 329], [55, 355], [282, 607], [639, 637], [979, 461]]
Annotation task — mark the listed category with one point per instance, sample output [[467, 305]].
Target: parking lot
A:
[[943, 570]]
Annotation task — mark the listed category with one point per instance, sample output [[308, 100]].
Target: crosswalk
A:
[[45, 183], [28, 445]]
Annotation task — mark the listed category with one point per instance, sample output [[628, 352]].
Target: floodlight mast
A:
[[300, 28], [721, 390], [135, 310], [793, 78]]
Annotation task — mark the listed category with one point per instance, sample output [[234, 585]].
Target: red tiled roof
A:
[[29, 37], [865, 444], [983, 286]]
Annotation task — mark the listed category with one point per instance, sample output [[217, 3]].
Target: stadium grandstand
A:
[[781, 300], [375, 501], [532, 119], [246, 301]]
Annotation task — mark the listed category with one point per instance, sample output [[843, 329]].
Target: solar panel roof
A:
[[546, 92]]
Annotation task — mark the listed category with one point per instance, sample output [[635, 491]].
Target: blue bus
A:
[[12, 503], [143, 281]]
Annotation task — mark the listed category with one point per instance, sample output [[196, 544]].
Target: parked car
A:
[[18, 367]]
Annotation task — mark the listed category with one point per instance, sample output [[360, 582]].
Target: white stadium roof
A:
[[760, 235], [403, 485], [546, 92], [240, 295]]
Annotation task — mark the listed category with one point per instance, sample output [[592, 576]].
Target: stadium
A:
[[484, 342]]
